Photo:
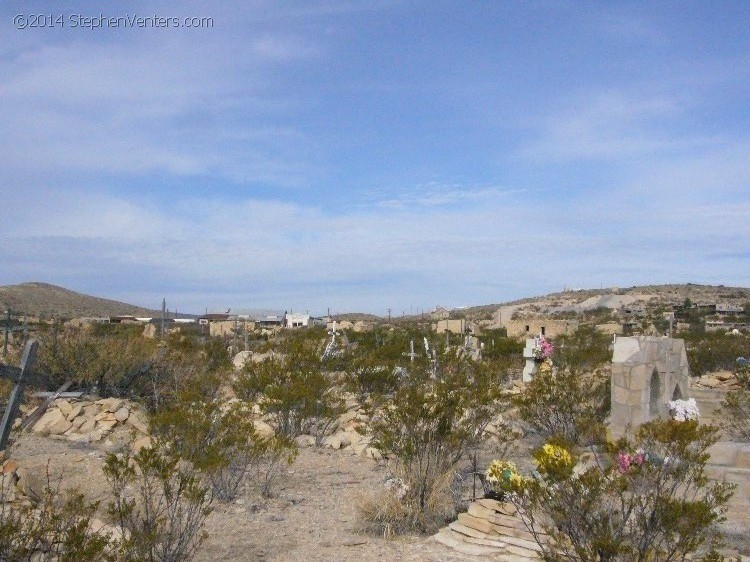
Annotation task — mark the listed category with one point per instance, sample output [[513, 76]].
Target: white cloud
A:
[[611, 126]]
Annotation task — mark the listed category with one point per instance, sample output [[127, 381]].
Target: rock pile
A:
[[493, 530], [88, 420], [347, 433], [721, 380]]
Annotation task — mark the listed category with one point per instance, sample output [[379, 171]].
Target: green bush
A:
[[714, 351], [367, 375], [642, 499], [56, 526], [584, 350], [293, 391], [106, 364], [736, 407], [219, 438], [567, 405], [430, 426], [160, 504]]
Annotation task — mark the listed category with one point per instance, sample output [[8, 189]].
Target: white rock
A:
[[122, 414], [64, 406], [135, 420], [332, 441], [240, 359], [263, 429], [305, 440], [373, 453], [49, 417], [75, 412]]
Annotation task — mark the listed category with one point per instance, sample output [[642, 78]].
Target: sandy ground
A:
[[311, 517]]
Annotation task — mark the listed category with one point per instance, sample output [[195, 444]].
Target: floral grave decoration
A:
[[683, 410], [554, 462], [543, 349], [504, 478]]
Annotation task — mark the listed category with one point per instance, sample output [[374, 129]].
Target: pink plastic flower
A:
[[624, 461]]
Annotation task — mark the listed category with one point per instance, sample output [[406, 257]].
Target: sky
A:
[[366, 156]]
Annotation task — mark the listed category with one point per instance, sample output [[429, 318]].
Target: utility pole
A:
[[163, 315], [7, 331], [389, 319]]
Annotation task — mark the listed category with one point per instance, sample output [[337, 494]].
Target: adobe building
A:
[[547, 327]]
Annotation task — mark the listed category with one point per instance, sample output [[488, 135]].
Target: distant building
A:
[[296, 320], [456, 326], [124, 319], [439, 313], [212, 317], [729, 309], [270, 320], [548, 327]]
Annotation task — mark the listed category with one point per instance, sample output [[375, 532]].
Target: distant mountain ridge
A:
[[44, 301]]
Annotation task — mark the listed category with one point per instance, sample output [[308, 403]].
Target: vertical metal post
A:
[[163, 313], [16, 395], [54, 336], [7, 330]]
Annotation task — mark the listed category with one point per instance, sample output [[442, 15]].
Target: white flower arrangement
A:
[[682, 410]]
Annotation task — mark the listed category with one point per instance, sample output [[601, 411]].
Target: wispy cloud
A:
[[438, 195], [362, 156], [612, 126]]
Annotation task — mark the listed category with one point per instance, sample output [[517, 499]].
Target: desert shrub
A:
[[497, 345], [293, 391], [736, 407], [584, 350], [389, 345], [219, 438], [368, 375], [55, 526], [429, 427], [162, 518], [566, 404], [269, 457], [714, 351], [106, 365], [646, 498]]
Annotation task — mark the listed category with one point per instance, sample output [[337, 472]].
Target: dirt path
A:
[[312, 516]]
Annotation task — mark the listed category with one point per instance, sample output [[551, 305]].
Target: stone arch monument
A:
[[647, 373]]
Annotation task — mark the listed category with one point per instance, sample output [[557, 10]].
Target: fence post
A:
[[16, 395]]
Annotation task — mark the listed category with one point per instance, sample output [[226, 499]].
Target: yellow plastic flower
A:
[[504, 476], [554, 462]]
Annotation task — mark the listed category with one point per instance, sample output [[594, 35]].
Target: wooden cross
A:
[[16, 395], [411, 355]]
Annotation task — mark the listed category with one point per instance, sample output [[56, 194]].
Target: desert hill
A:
[[644, 296], [44, 301]]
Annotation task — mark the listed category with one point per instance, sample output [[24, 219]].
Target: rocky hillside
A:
[[44, 301], [645, 296]]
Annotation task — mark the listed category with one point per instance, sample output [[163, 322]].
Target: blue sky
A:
[[361, 156]]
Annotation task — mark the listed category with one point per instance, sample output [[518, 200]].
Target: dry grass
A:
[[381, 512]]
